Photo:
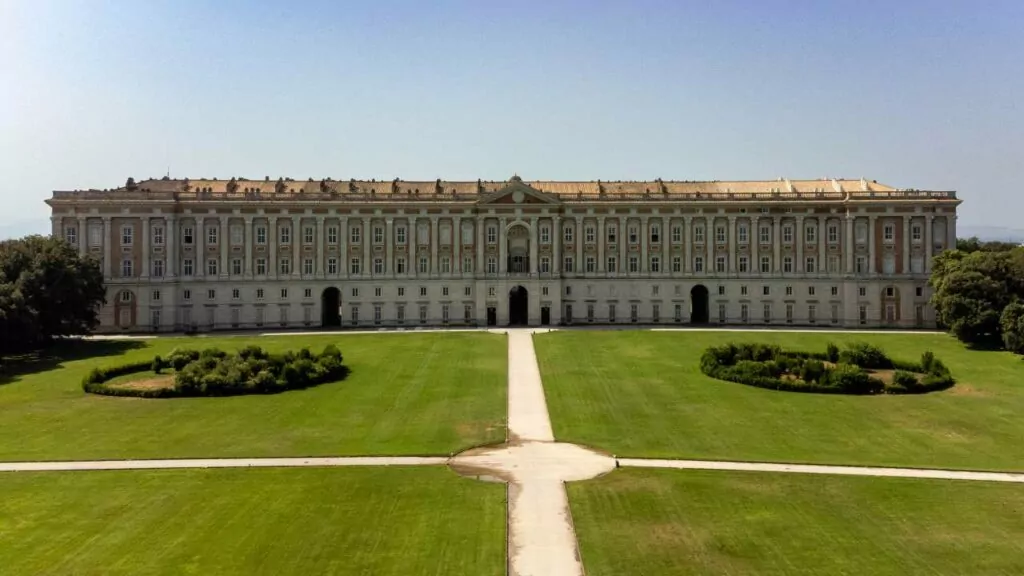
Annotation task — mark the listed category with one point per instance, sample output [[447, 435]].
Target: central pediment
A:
[[518, 192]]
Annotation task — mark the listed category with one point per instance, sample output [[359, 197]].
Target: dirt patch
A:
[[966, 390], [154, 383]]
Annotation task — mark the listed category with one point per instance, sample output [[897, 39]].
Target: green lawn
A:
[[407, 394], [671, 522], [642, 394], [381, 521]]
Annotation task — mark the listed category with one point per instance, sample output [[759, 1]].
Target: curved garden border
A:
[[213, 372], [831, 372]]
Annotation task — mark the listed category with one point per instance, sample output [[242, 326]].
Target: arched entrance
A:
[[699, 313], [518, 306], [330, 308]]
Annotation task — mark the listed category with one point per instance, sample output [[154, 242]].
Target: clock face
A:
[[518, 196]]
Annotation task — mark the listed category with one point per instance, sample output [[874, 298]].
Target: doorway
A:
[[545, 315], [330, 308], [518, 306], [492, 316], [699, 313]]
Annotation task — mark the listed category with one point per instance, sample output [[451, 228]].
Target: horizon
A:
[[915, 95]]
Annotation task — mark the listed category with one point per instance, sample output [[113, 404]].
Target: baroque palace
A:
[[234, 254]]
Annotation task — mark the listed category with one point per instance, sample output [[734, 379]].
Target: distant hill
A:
[[991, 233], [20, 228]]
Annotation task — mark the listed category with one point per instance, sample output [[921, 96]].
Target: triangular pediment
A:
[[518, 192]]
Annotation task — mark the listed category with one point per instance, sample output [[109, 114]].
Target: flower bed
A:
[[213, 372], [859, 369]]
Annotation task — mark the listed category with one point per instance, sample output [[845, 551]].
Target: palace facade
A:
[[214, 254]]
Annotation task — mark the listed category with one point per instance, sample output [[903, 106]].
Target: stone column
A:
[[928, 248], [800, 236], [320, 247], [145, 247], [849, 247], [871, 245], [623, 239], [367, 239], [733, 240], [200, 237], [107, 252], [601, 238], [480, 267], [822, 245], [906, 244], [556, 254], [709, 245], [296, 245], [534, 238], [389, 232], [414, 256], [777, 245], [272, 239], [687, 243], [224, 239], [170, 224], [83, 235], [435, 224], [247, 232], [666, 230], [643, 244], [457, 246], [502, 248], [754, 237], [579, 245], [343, 246]]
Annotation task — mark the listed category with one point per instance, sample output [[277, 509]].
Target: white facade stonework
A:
[[234, 254]]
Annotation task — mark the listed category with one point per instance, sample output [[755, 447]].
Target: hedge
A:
[[213, 372], [767, 366]]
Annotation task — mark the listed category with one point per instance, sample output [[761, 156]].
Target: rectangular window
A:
[[632, 235], [423, 314], [96, 236], [720, 234], [720, 264], [812, 313], [634, 264], [186, 294], [888, 233], [611, 233], [332, 265], [862, 265], [467, 313], [744, 313], [862, 314], [787, 234], [467, 265], [591, 265], [789, 312], [285, 266], [677, 264], [354, 266], [127, 235], [611, 312], [634, 313], [915, 233], [698, 234], [721, 314], [261, 266], [158, 235], [307, 266], [377, 313], [400, 235], [259, 294], [285, 235], [789, 290], [862, 291], [400, 266], [492, 265], [212, 235], [766, 234], [284, 293], [237, 235], [492, 235], [655, 264], [236, 294], [424, 265], [835, 313], [354, 315], [766, 265], [261, 235], [743, 290], [126, 268], [446, 265], [211, 267], [833, 234], [378, 235], [444, 313], [158, 268], [835, 290], [400, 313], [744, 264], [211, 294], [308, 232], [71, 235], [611, 264], [698, 264], [809, 264], [589, 234], [655, 313], [767, 312], [354, 234], [332, 235], [810, 234], [787, 264], [833, 263], [655, 234], [186, 235], [545, 235], [186, 267], [810, 291], [567, 264], [236, 266], [766, 290], [677, 234], [378, 265], [861, 232], [677, 313], [742, 234]]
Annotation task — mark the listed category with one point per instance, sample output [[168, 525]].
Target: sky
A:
[[916, 94]]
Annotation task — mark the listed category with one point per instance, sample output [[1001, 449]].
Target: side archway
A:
[[518, 307], [330, 307], [699, 310]]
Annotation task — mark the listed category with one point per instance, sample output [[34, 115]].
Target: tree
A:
[[974, 244], [46, 291], [972, 290], [1012, 325]]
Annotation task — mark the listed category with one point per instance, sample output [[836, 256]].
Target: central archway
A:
[[518, 306], [330, 308], [699, 313]]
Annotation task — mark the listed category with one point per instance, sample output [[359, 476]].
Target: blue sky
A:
[[911, 93]]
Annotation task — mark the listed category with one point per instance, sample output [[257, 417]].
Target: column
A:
[[435, 267], [414, 257], [247, 232], [556, 254], [871, 245], [776, 245], [321, 248], [602, 236], [107, 252], [296, 245], [224, 239], [906, 244], [367, 239], [928, 248], [800, 236], [643, 244], [389, 231], [622, 239], [709, 245], [848, 246], [733, 240], [666, 242], [502, 256], [343, 246], [687, 243], [272, 238], [170, 226], [199, 266], [754, 237], [145, 246], [822, 246], [457, 246], [579, 245], [83, 235], [480, 267], [534, 238]]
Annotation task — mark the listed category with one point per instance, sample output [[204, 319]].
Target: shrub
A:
[[158, 364], [865, 355], [904, 381], [812, 371], [832, 353], [178, 359], [927, 359], [852, 379]]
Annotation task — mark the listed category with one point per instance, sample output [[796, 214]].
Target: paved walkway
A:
[[219, 463], [820, 469]]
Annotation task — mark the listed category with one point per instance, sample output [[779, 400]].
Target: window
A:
[[332, 234], [915, 233], [261, 235], [186, 294], [378, 235], [789, 312], [424, 264], [655, 234], [721, 290], [71, 235], [284, 235], [127, 235], [677, 264], [632, 235], [589, 232], [186, 267], [423, 314], [862, 264], [862, 291], [237, 235], [655, 264], [307, 234], [611, 312], [810, 291], [446, 265], [355, 292], [467, 291], [677, 313], [423, 291], [835, 290], [377, 313], [677, 234], [492, 265], [545, 235], [127, 268], [809, 264], [611, 264], [261, 266], [400, 265], [354, 266], [186, 235], [158, 235], [833, 234], [236, 266], [789, 290], [742, 234], [492, 235], [787, 234], [767, 312], [698, 234], [721, 314], [236, 293], [400, 235], [862, 314], [467, 313], [284, 293], [698, 264], [378, 265], [835, 313], [634, 313], [568, 290], [766, 265], [720, 234], [354, 316], [889, 263], [567, 264], [332, 265], [765, 233], [354, 234], [766, 290], [888, 233], [154, 318], [212, 235], [919, 291], [787, 264], [744, 264], [259, 293], [833, 263], [890, 292], [861, 232], [285, 266], [810, 234], [158, 268], [307, 266], [590, 312], [444, 291], [655, 290], [611, 233], [720, 264], [467, 265], [400, 313], [211, 267], [211, 294], [743, 290], [444, 313], [96, 236], [591, 265], [744, 313], [634, 264]]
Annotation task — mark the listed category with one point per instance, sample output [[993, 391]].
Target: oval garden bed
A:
[[858, 369], [213, 372]]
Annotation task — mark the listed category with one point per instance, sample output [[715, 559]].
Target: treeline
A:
[[978, 293]]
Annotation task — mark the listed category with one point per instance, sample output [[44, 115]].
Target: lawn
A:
[[408, 394], [642, 394], [662, 522], [382, 521]]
